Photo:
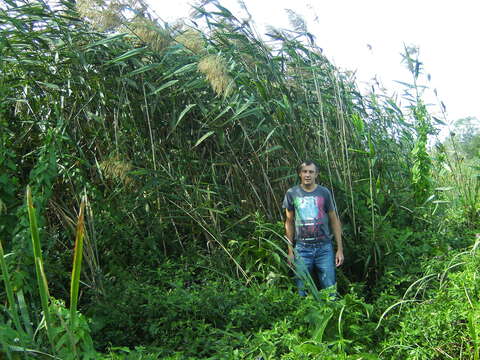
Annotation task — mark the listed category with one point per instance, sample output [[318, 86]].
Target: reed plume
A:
[[151, 33], [214, 68], [116, 169], [192, 40], [102, 16]]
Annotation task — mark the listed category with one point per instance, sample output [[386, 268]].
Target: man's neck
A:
[[309, 187]]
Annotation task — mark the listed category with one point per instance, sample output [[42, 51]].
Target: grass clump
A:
[[441, 318]]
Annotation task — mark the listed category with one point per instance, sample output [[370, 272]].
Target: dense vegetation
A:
[[162, 153]]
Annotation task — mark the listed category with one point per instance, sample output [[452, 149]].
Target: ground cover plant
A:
[[178, 141]]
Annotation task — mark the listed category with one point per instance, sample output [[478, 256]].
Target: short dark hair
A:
[[306, 163]]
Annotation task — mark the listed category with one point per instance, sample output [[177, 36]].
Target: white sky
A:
[[446, 31]]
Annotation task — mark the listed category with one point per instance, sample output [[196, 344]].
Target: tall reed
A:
[[77, 261], [41, 278]]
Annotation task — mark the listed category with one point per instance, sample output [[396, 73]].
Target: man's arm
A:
[[289, 233], [337, 234]]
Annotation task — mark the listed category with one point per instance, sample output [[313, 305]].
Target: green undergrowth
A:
[[183, 310], [438, 315], [179, 142], [424, 304]]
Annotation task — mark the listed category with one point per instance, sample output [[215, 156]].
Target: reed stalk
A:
[[41, 278], [77, 261]]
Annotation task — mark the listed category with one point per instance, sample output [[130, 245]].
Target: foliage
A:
[[66, 332], [146, 127], [421, 170], [192, 316], [439, 317], [185, 139], [459, 172]]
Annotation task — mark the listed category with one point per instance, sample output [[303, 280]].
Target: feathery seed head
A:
[[214, 68], [102, 15], [151, 33], [192, 40], [116, 169]]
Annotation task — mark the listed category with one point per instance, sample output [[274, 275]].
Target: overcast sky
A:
[[368, 36]]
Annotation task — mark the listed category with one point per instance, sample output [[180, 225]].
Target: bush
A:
[[441, 318], [180, 308]]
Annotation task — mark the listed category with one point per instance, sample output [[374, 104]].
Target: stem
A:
[[77, 262], [41, 278], [8, 289]]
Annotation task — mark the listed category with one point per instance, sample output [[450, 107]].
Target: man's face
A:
[[308, 174]]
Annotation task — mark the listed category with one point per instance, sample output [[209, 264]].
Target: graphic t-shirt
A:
[[311, 212]]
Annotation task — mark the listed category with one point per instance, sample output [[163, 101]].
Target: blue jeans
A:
[[318, 258]]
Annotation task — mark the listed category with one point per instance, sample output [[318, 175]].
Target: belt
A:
[[313, 243]]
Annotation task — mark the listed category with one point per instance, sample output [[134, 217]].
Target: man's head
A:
[[307, 172]]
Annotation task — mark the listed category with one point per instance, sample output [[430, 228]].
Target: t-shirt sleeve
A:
[[328, 201], [288, 201]]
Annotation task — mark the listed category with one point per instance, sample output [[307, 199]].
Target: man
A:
[[310, 221]]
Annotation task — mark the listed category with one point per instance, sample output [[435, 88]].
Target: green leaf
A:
[[127, 55], [438, 121], [49, 85], [370, 146], [430, 198], [321, 322], [24, 312], [241, 109], [164, 86], [180, 71], [107, 40], [273, 148], [143, 69], [358, 151], [310, 349], [182, 114], [269, 136], [203, 138], [184, 69], [358, 123]]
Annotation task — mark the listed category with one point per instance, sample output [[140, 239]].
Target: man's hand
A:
[[339, 258], [290, 258]]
